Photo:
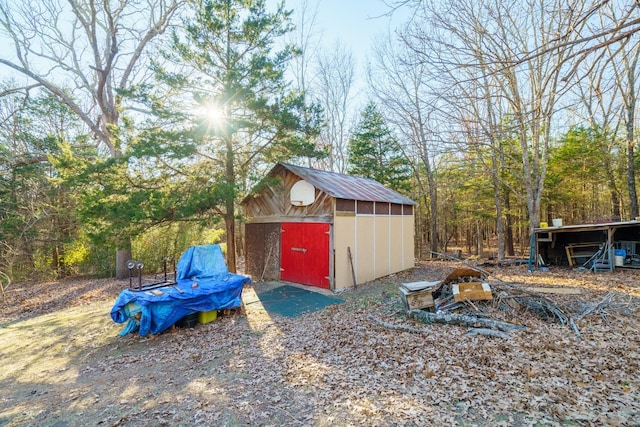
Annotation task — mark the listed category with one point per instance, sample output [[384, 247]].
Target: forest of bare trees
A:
[[138, 125]]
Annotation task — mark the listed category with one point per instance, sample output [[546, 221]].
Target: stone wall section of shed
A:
[[263, 251]]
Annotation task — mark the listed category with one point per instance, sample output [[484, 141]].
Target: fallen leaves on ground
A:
[[338, 367]]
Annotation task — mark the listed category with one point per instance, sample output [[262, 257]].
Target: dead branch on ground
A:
[[402, 328], [462, 320]]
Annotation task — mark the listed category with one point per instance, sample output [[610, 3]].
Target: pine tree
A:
[[237, 105], [375, 153]]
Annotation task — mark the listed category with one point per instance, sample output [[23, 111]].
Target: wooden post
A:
[[353, 271], [611, 253]]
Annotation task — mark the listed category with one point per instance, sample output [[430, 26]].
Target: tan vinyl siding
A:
[[365, 254], [382, 242], [344, 235]]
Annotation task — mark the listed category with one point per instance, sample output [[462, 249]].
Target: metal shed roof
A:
[[347, 187]]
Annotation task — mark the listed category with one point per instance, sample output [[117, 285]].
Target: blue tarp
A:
[[206, 285]]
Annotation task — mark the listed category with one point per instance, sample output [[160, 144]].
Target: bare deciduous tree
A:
[[467, 40], [600, 102], [87, 53], [399, 81], [580, 35], [306, 37], [626, 70], [336, 76]]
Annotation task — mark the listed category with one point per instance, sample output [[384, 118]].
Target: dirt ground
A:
[[63, 363]]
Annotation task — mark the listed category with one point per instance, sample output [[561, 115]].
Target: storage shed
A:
[[326, 229]]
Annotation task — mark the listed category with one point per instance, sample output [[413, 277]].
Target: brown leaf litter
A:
[[64, 363]]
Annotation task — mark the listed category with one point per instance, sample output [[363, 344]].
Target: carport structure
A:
[[573, 245]]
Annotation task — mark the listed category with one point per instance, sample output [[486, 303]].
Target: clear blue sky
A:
[[354, 22]]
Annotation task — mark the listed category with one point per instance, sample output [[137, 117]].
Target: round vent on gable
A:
[[302, 193]]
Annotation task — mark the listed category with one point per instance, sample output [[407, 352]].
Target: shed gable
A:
[[273, 200]]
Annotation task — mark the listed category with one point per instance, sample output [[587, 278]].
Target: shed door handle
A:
[[303, 250]]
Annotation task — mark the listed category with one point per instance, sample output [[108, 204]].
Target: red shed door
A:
[[305, 253]]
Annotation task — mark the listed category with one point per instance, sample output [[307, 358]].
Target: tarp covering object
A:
[[203, 284]]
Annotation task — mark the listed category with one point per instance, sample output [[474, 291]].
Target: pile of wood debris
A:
[[467, 297]]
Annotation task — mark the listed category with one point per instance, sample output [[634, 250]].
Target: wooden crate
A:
[[472, 291], [415, 300]]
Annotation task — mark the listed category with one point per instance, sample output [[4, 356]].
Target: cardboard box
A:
[[472, 291]]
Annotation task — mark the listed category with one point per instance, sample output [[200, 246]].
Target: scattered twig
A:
[[575, 328], [288, 413], [604, 302], [487, 333], [402, 328], [472, 305], [544, 307]]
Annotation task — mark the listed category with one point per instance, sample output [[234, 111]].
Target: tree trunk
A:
[[479, 242], [631, 175], [230, 205], [613, 188], [433, 206], [55, 263], [230, 226], [499, 220], [631, 111], [123, 254], [420, 226], [509, 226], [59, 261]]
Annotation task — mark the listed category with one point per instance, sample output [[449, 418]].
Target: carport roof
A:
[[586, 227], [341, 186]]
